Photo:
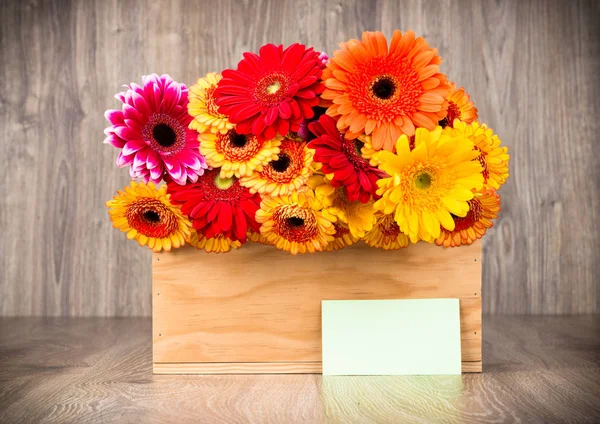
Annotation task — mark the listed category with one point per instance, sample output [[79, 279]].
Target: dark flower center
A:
[[453, 113], [295, 221], [384, 88], [281, 164], [164, 135], [238, 140], [358, 145], [151, 216]]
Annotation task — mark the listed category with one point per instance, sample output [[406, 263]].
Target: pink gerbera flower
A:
[[152, 130], [271, 92], [323, 58]]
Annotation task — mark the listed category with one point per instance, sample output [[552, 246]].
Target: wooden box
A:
[[258, 309]]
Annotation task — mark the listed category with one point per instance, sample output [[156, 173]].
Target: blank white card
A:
[[391, 337]]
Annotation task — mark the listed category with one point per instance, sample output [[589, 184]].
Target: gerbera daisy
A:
[[216, 244], [342, 158], [367, 151], [271, 92], [218, 206], [323, 58], [304, 133], [256, 237], [294, 223], [203, 109], [484, 207], [237, 154], [385, 92], [460, 107], [287, 173], [146, 214], [429, 184], [493, 158], [342, 238], [386, 234], [152, 130], [358, 217]]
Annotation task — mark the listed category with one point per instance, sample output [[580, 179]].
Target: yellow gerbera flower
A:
[[366, 150], [493, 158], [358, 217], [146, 214], [286, 174], [202, 106], [484, 207], [217, 244], [428, 184], [237, 154], [342, 238], [256, 237], [386, 234], [294, 222]]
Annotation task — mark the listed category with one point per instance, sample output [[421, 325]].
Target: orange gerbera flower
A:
[[286, 174], [385, 91], [460, 106], [482, 209], [386, 234]]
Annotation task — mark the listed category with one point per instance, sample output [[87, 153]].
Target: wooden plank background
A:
[[531, 66]]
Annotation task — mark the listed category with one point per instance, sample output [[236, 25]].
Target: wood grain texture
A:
[[531, 66], [210, 368], [233, 308], [537, 369]]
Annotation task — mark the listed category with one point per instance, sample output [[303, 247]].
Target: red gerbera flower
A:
[[342, 158], [218, 206], [271, 92]]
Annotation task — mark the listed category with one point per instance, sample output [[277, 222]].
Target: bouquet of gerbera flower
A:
[[308, 153]]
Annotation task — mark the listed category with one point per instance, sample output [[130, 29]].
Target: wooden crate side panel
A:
[[258, 367], [258, 304]]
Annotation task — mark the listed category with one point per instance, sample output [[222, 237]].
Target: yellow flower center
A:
[[223, 183], [274, 87], [423, 180], [423, 184]]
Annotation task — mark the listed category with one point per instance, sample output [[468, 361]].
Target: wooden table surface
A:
[[544, 369]]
